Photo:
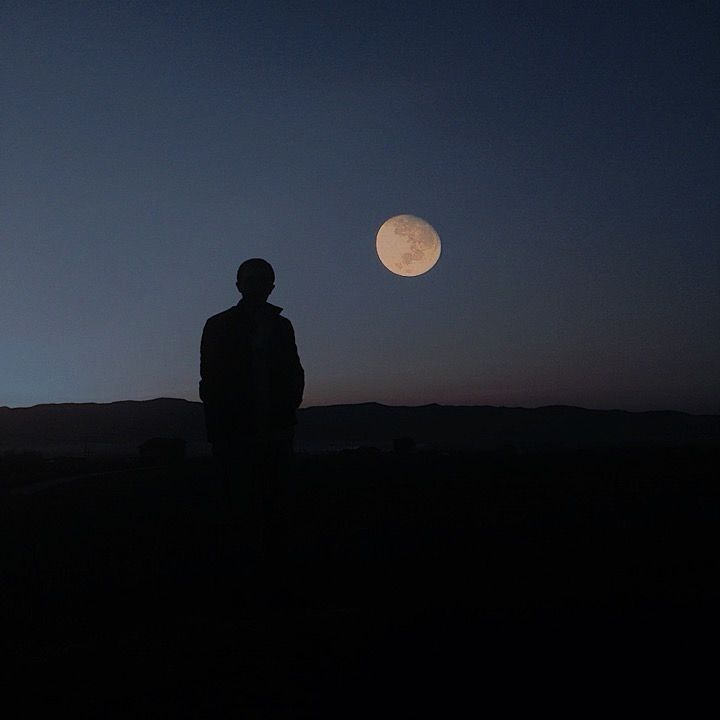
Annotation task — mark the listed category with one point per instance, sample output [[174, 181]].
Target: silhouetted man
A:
[[251, 384]]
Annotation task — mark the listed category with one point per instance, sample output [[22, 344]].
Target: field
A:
[[558, 579]]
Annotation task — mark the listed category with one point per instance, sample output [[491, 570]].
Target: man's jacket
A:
[[251, 379]]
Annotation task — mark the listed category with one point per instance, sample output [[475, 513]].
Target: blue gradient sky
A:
[[565, 152]]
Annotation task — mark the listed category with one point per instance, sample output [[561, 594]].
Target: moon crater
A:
[[407, 245]]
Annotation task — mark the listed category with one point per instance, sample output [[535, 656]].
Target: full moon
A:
[[407, 245]]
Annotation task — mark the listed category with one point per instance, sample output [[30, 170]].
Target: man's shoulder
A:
[[221, 318], [280, 323], [284, 324], [232, 314]]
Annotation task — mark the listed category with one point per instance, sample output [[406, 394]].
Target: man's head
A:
[[255, 280]]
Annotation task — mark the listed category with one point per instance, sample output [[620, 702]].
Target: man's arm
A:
[[209, 379], [205, 363], [296, 372]]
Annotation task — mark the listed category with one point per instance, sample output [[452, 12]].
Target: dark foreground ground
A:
[[567, 583]]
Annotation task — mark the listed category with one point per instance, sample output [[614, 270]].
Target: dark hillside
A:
[[121, 426]]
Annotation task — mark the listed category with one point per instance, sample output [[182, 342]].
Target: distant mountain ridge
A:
[[119, 427]]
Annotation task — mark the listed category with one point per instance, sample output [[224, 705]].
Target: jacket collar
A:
[[267, 308]]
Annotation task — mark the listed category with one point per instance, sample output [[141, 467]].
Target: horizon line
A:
[[373, 402]]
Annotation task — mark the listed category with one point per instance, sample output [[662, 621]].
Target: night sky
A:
[[565, 152]]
